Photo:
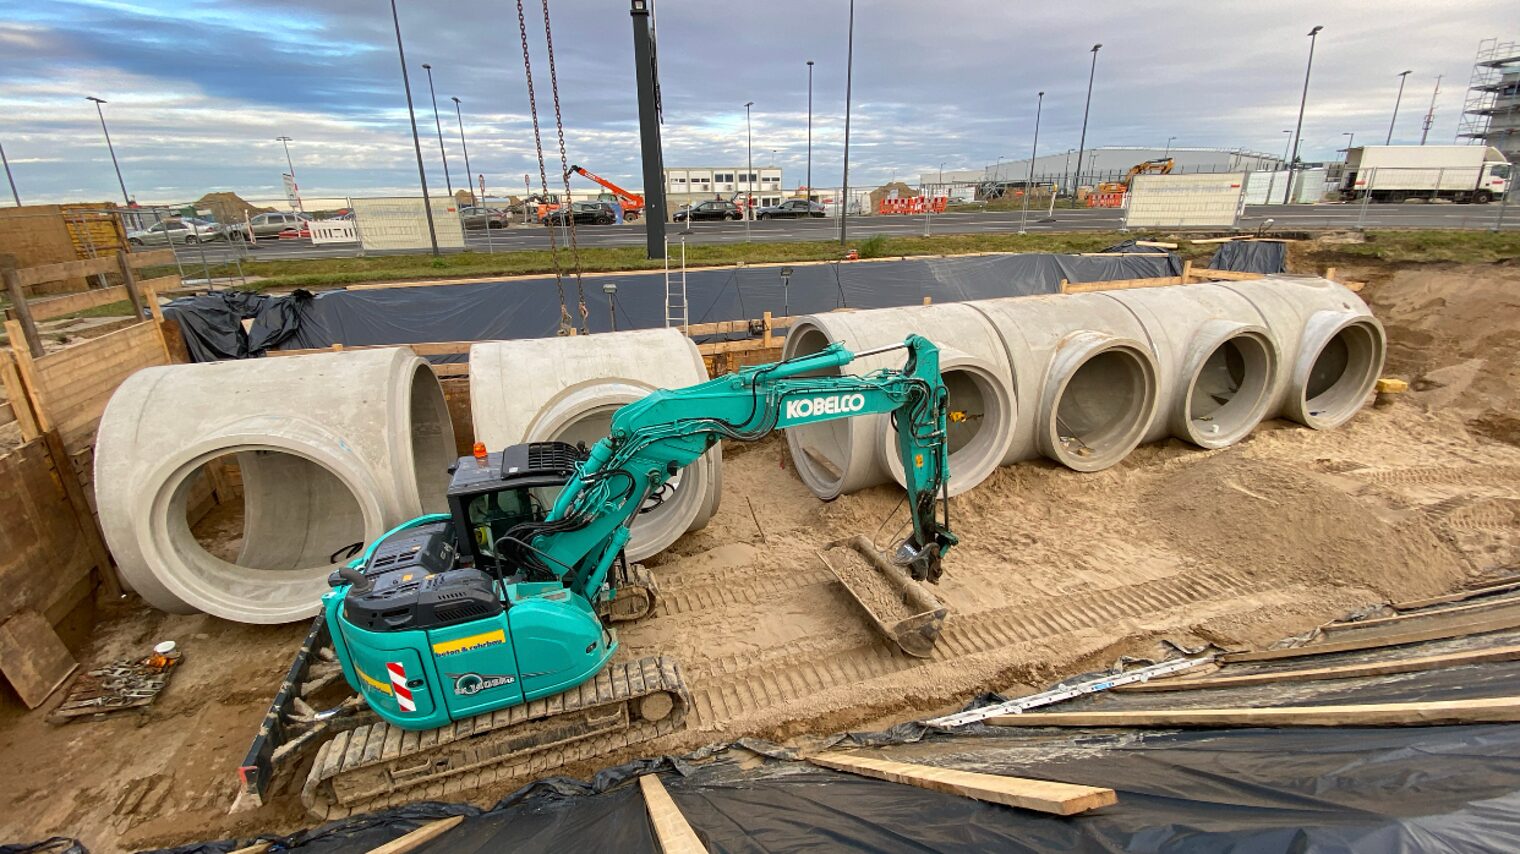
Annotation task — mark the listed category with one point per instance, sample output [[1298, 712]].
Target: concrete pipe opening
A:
[[979, 427], [1227, 393], [584, 414], [1337, 370], [823, 452], [266, 558], [1101, 397], [431, 436]]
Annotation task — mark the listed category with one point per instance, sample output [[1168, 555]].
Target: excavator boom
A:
[[633, 203]]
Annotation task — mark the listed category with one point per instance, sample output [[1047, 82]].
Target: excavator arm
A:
[[653, 439]]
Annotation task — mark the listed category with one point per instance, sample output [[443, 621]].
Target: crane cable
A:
[[565, 326], [564, 168]]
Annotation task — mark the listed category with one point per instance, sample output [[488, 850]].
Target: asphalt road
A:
[[1284, 217]]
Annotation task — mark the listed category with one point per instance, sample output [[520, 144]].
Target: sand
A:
[[1058, 572]]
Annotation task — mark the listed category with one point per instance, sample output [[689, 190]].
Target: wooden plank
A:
[[1461, 595], [161, 283], [61, 363], [1208, 275], [27, 370], [1045, 796], [749, 345], [1121, 284], [25, 330], [1417, 615], [151, 258], [129, 281], [33, 658], [1453, 629], [43, 558], [19, 401], [94, 540], [1315, 674], [29, 276], [671, 830], [414, 840], [46, 309], [1432, 713]]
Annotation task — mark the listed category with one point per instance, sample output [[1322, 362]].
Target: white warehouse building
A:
[[698, 184], [1099, 164]]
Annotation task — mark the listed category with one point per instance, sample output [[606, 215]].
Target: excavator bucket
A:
[[897, 608]]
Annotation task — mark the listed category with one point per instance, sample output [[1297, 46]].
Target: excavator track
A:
[[378, 765], [637, 597]]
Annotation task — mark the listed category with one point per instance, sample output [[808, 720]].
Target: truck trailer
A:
[[1393, 173]]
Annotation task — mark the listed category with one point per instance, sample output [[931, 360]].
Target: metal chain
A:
[[564, 164], [565, 326]]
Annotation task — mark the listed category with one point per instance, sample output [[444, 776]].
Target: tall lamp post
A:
[[1350, 136], [1034, 151], [749, 174], [849, 74], [1168, 152], [1082, 142], [9, 177], [1302, 101], [439, 125], [98, 111], [462, 144], [1403, 76], [810, 133], [406, 84], [286, 141]]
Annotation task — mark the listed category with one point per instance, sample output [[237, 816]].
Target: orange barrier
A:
[[912, 205], [1105, 200]]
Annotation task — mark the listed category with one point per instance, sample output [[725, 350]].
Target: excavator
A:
[[633, 203], [478, 639], [1159, 166]]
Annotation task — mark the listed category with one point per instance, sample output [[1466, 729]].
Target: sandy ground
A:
[[1058, 572]]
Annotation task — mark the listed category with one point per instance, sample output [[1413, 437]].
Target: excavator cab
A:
[[492, 493]]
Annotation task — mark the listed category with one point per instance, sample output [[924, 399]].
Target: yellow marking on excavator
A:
[[372, 681], [460, 644]]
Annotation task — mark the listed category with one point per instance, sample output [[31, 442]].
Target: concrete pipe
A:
[[333, 449], [566, 389], [844, 456], [1218, 361], [1084, 374], [1333, 348]]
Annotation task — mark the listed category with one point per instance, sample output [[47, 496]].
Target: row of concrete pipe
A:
[[334, 449]]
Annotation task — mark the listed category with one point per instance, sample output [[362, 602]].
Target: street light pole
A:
[[1034, 151], [439, 125], [109, 147], [749, 175], [9, 177], [1350, 136], [468, 179], [406, 84], [1302, 101], [285, 141], [810, 134], [1082, 142], [1430, 114], [1168, 152], [849, 73], [1403, 76]]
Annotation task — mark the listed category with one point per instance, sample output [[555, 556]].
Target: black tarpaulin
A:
[[1251, 256], [212, 324], [529, 308]]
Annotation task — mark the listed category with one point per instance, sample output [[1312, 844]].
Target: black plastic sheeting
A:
[[212, 324], [529, 308], [1251, 256]]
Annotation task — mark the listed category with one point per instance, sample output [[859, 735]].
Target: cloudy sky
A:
[[198, 90]]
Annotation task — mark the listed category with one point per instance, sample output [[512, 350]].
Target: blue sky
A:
[[198, 91]]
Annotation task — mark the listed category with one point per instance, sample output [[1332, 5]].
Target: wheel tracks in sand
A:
[[738, 686]]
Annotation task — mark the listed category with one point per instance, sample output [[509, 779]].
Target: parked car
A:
[[177, 231], [710, 210], [790, 209], [271, 224], [483, 217], [585, 213]]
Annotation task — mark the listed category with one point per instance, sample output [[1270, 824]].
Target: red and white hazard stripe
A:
[[398, 685]]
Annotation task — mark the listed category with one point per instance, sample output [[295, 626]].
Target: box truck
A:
[[1393, 173]]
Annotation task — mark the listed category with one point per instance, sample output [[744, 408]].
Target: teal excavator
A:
[[480, 637]]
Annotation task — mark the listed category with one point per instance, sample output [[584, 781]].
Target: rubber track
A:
[[737, 685], [382, 743]]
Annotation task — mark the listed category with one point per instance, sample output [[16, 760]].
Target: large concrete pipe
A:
[[566, 389], [1332, 354], [333, 449], [838, 457], [1084, 373]]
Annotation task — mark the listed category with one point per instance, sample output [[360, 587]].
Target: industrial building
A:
[[1491, 113], [1099, 164], [697, 184]]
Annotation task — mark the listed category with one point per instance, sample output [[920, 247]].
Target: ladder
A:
[[676, 311], [1067, 692]]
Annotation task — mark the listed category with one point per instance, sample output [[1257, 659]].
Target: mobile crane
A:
[[479, 636], [633, 203]]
